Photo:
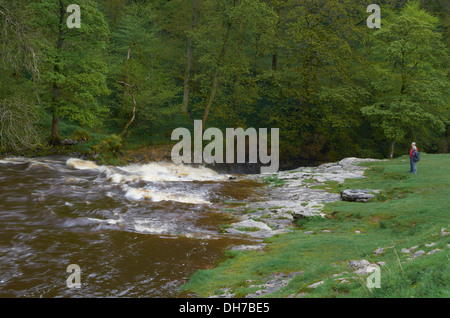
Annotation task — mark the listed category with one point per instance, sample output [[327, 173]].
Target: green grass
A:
[[274, 180], [410, 210]]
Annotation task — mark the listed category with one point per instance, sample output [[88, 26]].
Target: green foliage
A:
[[273, 180], [111, 145], [19, 114], [81, 135], [411, 86], [73, 72], [333, 87]]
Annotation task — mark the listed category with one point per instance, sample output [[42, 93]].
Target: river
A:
[[134, 231]]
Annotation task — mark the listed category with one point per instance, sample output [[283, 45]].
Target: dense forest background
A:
[[136, 70]]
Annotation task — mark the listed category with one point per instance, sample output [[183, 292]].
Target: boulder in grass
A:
[[357, 195]]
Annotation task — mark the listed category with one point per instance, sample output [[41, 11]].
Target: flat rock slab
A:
[[275, 282], [278, 206], [248, 247], [358, 195]]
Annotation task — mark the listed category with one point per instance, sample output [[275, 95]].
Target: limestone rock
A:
[[367, 270], [433, 251], [418, 253], [358, 264], [248, 247], [315, 285], [363, 267], [357, 195], [275, 282], [378, 251], [408, 250], [252, 223]]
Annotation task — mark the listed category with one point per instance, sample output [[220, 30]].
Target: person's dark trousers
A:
[[411, 163], [414, 166]]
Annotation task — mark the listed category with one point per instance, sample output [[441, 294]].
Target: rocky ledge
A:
[[277, 206], [358, 195]]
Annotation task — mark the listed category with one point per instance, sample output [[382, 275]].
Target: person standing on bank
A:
[[413, 158]]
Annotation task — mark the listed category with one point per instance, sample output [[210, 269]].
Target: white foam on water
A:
[[108, 221], [138, 194], [39, 165], [81, 164], [152, 172], [16, 160], [148, 226], [172, 172], [74, 180]]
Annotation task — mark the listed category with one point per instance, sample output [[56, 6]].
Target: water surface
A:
[[135, 231]]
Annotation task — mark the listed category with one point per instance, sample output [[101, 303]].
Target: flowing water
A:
[[134, 231]]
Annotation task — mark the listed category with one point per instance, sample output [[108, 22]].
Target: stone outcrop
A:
[[357, 195], [363, 267], [298, 197]]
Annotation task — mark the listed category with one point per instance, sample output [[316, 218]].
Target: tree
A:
[[74, 71], [229, 38], [19, 115], [411, 89], [141, 68], [316, 82]]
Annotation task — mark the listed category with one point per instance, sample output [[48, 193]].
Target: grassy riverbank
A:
[[410, 210]]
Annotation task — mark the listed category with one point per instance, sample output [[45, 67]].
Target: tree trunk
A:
[[403, 72], [186, 78], [55, 138], [195, 5], [216, 75], [392, 149], [239, 45], [59, 44], [132, 87], [238, 72], [275, 48], [134, 110]]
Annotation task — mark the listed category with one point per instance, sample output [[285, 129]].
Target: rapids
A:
[[135, 231]]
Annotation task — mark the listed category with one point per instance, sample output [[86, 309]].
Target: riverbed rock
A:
[[357, 195], [254, 229], [248, 247], [299, 197], [251, 224]]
